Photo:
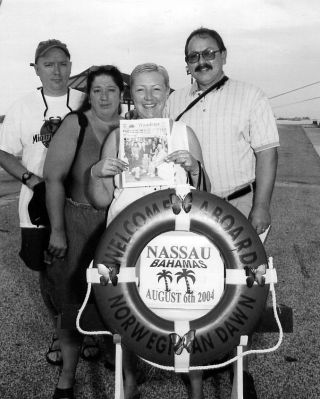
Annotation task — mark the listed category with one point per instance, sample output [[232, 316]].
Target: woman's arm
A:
[[189, 159], [101, 180], [56, 168]]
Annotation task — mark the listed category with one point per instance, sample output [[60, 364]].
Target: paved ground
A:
[[290, 373], [314, 137]]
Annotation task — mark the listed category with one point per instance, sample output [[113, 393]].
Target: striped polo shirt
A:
[[231, 123]]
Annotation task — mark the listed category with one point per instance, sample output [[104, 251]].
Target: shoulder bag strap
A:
[[215, 86], [201, 179], [83, 123]]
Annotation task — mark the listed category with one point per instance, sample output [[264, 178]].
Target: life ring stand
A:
[[217, 332]]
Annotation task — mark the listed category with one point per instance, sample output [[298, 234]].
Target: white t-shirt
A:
[[22, 133]]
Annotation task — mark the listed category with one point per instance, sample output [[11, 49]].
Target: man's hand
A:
[[266, 166], [260, 218], [33, 181]]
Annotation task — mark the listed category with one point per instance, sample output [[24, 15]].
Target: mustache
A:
[[199, 67]]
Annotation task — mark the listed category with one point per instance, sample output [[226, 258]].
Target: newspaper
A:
[[144, 145]]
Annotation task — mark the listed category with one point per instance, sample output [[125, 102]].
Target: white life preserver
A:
[[162, 341]]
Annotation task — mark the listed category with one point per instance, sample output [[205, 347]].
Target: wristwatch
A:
[[26, 176]]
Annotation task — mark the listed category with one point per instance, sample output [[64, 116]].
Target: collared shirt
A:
[[231, 123]]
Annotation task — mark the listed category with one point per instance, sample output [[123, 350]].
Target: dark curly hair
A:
[[93, 72]]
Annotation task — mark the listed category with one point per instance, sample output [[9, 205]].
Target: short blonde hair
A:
[[150, 67]]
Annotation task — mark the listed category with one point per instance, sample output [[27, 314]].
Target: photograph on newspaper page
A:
[[144, 145]]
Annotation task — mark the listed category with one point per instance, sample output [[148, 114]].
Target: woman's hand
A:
[[108, 167], [185, 159], [58, 244]]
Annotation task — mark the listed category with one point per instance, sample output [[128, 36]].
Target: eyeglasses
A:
[[208, 54]]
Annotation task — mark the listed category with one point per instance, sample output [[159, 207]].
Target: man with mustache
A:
[[237, 132]]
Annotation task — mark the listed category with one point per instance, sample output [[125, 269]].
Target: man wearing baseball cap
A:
[[25, 135], [46, 45]]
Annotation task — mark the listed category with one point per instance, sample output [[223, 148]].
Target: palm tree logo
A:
[[186, 274], [166, 275]]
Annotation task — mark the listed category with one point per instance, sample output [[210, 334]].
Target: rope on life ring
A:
[[183, 344]]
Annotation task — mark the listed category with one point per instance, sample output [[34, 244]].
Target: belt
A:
[[243, 191]]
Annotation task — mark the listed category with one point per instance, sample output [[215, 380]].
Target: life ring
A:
[[156, 339]]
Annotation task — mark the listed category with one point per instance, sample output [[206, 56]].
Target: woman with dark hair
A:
[[150, 89], [75, 224]]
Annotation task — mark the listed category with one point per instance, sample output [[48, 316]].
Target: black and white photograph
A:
[[159, 199], [144, 145]]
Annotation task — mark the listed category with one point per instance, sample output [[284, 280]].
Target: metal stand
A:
[[118, 391], [237, 386]]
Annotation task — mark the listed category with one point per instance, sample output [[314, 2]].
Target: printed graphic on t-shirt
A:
[[47, 131]]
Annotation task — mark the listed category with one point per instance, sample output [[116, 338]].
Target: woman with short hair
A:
[[149, 89]]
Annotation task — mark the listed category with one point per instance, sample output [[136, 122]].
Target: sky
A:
[[273, 44]]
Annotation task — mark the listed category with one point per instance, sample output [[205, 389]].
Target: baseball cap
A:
[[46, 45]]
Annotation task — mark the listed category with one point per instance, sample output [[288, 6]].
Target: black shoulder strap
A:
[[201, 179], [46, 104], [215, 86], [83, 123]]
